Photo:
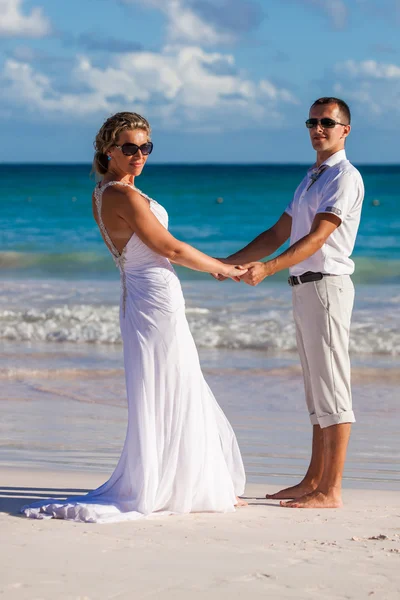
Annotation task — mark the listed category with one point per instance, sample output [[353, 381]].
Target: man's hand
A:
[[257, 271]]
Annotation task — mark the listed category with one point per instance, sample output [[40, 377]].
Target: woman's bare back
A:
[[118, 229]]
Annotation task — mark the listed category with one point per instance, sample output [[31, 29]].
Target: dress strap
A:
[[144, 195]]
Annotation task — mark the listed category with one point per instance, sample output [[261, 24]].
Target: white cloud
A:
[[34, 91], [370, 69], [363, 95], [182, 85], [174, 87], [374, 87], [185, 26], [13, 23]]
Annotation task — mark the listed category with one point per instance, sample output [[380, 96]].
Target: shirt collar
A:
[[331, 161]]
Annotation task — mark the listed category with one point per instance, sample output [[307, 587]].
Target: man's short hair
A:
[[344, 108]]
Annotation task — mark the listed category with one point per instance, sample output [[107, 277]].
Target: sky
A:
[[221, 81]]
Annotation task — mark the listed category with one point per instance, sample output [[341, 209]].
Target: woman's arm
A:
[[135, 210]]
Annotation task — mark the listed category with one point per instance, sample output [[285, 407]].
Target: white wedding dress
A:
[[180, 453]]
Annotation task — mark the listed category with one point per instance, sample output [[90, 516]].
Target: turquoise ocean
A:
[[60, 347], [47, 228]]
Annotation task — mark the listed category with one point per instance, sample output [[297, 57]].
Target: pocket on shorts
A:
[[341, 282], [335, 291], [322, 293]]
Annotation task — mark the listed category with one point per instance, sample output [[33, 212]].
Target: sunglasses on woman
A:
[[326, 123], [131, 149]]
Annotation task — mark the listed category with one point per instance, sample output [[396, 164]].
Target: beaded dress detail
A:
[[119, 259], [180, 453]]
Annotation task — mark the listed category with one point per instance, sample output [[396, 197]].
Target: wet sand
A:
[[64, 407]]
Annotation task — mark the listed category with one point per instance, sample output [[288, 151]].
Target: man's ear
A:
[[346, 130]]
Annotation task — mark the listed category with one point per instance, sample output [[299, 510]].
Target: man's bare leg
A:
[[328, 494], [313, 475]]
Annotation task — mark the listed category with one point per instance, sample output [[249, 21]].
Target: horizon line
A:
[[195, 164]]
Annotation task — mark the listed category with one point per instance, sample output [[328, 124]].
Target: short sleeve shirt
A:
[[335, 187]]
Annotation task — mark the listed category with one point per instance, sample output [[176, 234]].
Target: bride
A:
[[180, 453]]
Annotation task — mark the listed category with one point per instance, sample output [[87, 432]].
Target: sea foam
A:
[[267, 330]]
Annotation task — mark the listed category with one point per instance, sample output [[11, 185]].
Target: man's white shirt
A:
[[335, 187]]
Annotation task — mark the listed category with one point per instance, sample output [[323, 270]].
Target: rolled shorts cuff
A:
[[336, 419], [314, 419]]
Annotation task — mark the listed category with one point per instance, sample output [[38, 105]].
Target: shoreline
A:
[[361, 373], [259, 551]]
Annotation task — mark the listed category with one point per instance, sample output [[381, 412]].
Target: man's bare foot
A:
[[241, 502], [316, 499], [296, 491]]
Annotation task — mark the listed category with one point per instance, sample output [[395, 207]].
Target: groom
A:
[[322, 222]]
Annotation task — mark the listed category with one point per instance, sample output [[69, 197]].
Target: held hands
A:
[[252, 273], [229, 271]]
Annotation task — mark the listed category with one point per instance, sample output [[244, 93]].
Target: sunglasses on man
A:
[[326, 123], [131, 149]]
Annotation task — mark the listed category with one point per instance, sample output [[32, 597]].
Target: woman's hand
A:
[[228, 271], [234, 272]]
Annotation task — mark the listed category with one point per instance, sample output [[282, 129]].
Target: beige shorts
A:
[[322, 313]]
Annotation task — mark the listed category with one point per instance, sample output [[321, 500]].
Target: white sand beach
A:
[[262, 551]]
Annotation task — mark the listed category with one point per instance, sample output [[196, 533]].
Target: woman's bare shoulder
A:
[[122, 194]]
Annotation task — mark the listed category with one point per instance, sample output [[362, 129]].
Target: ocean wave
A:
[[82, 323], [57, 263], [99, 263], [274, 331]]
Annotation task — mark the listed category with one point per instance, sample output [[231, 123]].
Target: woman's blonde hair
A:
[[109, 133]]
